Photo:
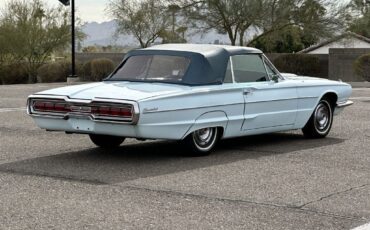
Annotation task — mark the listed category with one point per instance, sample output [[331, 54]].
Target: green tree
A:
[[145, 19], [177, 32], [360, 17], [35, 31], [236, 17], [289, 40]]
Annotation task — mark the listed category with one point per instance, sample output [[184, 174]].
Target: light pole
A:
[[73, 41]]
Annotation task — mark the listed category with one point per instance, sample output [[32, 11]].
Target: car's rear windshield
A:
[[153, 68]]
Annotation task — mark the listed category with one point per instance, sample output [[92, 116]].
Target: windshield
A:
[[153, 68]]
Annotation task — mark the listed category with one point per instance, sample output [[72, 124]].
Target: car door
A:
[[270, 105]]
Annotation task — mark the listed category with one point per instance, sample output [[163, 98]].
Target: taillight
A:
[[96, 111], [51, 106], [112, 111]]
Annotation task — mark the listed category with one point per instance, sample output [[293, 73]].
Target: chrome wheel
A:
[[322, 117], [319, 124], [201, 141], [203, 137]]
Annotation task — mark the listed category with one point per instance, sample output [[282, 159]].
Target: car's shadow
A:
[[140, 160]]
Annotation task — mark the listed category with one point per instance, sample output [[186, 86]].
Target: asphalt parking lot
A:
[[275, 181]]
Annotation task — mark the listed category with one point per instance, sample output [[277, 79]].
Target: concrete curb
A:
[[364, 84]]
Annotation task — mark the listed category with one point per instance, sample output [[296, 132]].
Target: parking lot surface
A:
[[51, 180]]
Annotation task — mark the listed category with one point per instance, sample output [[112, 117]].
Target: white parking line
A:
[[4, 110], [363, 227]]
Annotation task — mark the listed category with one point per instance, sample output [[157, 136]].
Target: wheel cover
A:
[[204, 139], [322, 117]]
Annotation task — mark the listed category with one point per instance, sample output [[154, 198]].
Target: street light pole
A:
[[73, 35], [73, 40]]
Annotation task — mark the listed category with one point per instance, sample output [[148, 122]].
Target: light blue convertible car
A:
[[196, 94]]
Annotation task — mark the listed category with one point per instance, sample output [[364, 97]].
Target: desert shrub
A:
[[56, 71], [362, 66], [101, 68], [51, 72], [14, 74], [300, 64], [67, 67], [86, 72]]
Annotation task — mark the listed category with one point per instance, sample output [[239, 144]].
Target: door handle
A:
[[248, 91]]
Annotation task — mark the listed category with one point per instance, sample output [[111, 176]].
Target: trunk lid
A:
[[134, 91]]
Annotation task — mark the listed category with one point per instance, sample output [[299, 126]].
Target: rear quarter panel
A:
[[175, 116]]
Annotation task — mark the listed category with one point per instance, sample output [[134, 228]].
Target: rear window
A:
[[153, 68]]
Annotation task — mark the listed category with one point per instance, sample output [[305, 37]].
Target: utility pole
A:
[[73, 35]]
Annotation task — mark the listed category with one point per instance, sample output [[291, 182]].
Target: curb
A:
[[364, 84]]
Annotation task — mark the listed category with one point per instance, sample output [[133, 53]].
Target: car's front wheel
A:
[[202, 141], [106, 141], [320, 121]]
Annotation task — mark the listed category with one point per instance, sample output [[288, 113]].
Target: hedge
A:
[[14, 74], [362, 66], [56, 71], [300, 64], [101, 68]]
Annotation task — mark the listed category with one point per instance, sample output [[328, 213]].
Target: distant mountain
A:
[[103, 34]]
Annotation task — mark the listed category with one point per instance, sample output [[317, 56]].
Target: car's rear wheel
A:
[[201, 142], [106, 141], [320, 121]]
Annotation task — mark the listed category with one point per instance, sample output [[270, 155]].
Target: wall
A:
[[323, 61], [341, 64]]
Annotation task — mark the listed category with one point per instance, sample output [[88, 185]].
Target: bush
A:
[[67, 67], [362, 66], [101, 68], [86, 72], [51, 72], [14, 74], [56, 71], [300, 64]]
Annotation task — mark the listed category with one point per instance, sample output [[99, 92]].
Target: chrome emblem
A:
[[148, 110], [81, 109]]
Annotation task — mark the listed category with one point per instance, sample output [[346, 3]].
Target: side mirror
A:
[[275, 78]]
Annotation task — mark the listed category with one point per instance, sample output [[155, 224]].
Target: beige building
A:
[[346, 40]]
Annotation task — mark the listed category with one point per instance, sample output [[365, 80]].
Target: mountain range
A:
[[103, 34]]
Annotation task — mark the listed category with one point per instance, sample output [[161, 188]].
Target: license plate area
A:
[[81, 124]]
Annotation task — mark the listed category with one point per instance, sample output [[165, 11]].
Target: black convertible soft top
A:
[[208, 63]]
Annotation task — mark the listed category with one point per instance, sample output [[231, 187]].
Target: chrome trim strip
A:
[[232, 69], [344, 104], [274, 126], [200, 107], [103, 119]]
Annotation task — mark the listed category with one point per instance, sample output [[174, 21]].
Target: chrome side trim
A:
[[344, 104], [102, 119]]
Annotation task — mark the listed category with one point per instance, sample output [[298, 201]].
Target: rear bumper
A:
[[84, 125]]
